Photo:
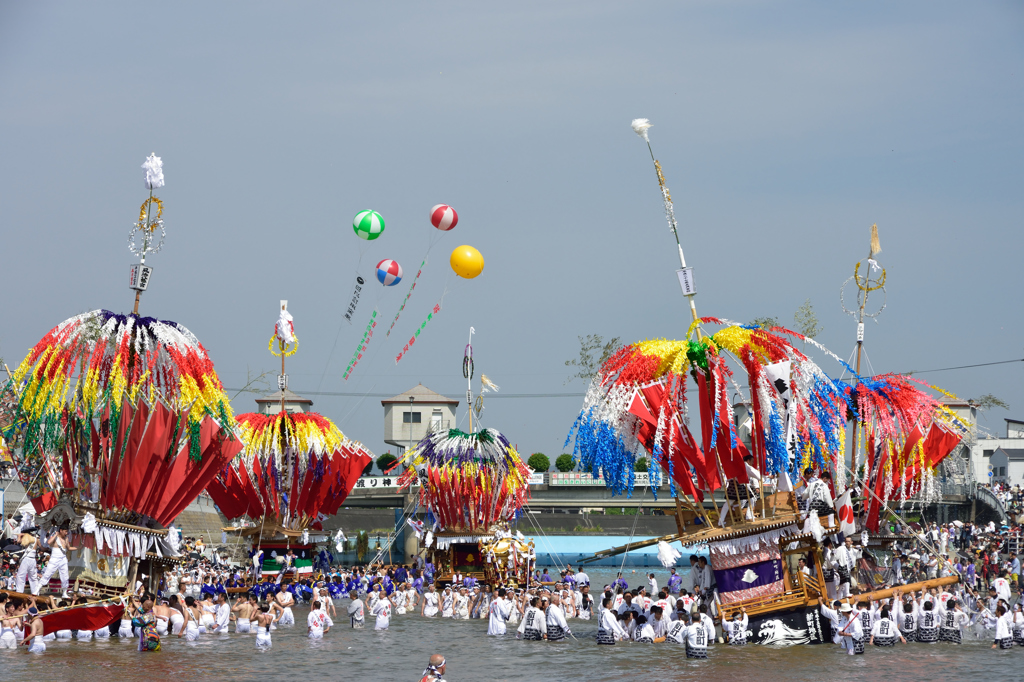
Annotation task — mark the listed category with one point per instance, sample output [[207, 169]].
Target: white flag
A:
[[844, 508], [784, 483]]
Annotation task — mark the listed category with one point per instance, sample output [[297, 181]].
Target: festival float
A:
[[295, 470], [792, 423], [116, 424], [472, 485]]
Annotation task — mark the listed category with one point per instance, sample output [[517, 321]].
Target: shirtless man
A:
[[10, 625], [34, 633], [243, 613], [285, 600], [263, 622], [192, 615], [58, 563], [163, 617]]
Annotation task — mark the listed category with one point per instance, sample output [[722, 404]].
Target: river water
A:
[[401, 652]]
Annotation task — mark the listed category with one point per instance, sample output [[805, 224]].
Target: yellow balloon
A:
[[467, 262]]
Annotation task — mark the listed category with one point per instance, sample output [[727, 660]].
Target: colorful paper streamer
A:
[[411, 289], [416, 334], [363, 343]]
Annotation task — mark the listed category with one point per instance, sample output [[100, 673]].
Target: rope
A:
[[632, 531], [394, 536], [547, 542]]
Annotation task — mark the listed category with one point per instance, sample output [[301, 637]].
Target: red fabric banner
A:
[[82, 618]]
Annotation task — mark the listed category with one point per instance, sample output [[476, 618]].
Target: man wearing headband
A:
[[557, 627], [434, 671], [498, 612], [27, 566], [58, 563], [533, 625], [34, 632]]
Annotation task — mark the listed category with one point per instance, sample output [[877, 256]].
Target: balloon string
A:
[[412, 288], [341, 324]]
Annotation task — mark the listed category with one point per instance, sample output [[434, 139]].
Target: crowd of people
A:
[[205, 598]]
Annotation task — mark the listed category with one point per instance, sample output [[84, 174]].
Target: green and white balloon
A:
[[368, 225]]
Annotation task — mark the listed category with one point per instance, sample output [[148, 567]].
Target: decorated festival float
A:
[[473, 486], [116, 424], [295, 470], [786, 459]]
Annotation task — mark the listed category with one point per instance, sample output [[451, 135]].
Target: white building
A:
[[1004, 457], [410, 416], [271, 404]]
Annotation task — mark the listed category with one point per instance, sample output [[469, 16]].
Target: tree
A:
[[368, 470], [565, 463], [764, 322], [641, 465], [362, 546], [539, 462], [254, 384], [385, 461], [593, 352], [806, 321], [988, 401]]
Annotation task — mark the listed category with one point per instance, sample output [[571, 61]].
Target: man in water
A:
[[675, 581], [34, 633], [149, 638], [498, 612], [533, 625], [557, 627], [263, 622], [356, 610], [318, 622], [434, 671], [621, 582], [696, 640], [285, 600], [382, 610]]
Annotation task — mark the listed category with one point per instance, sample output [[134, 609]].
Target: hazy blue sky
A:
[[785, 130]]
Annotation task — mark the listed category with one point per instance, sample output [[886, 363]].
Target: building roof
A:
[[1013, 421], [421, 394], [1015, 454], [289, 397]]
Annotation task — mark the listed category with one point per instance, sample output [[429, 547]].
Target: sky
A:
[[785, 131]]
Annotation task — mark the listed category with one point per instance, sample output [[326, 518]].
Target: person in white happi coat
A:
[[431, 601], [382, 610], [27, 566], [851, 630], [222, 616], [845, 559], [318, 622], [557, 627], [498, 613], [608, 629], [534, 625], [885, 632]]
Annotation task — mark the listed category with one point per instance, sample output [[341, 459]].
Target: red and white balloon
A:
[[443, 217], [389, 272]]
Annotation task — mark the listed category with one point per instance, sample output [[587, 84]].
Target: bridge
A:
[[961, 498]]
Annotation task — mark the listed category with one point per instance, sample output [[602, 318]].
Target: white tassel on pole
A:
[[154, 168]]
